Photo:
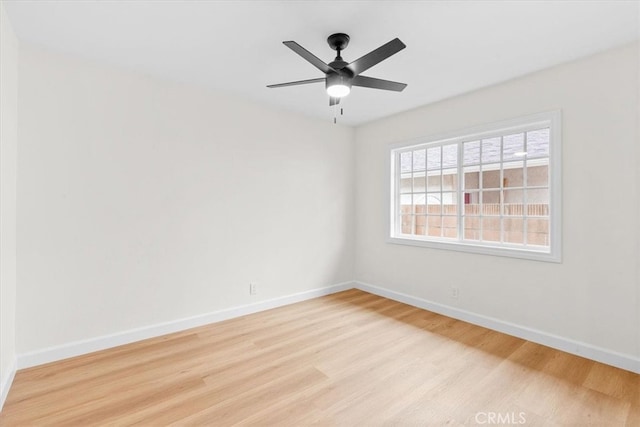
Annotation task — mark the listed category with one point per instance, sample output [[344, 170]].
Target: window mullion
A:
[[441, 185], [525, 206], [413, 199], [460, 218], [501, 195], [398, 209], [480, 198]]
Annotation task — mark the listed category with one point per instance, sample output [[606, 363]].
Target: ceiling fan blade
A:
[[333, 101], [375, 56], [370, 82], [310, 57], [299, 82]]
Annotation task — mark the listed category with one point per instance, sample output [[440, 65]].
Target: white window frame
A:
[[552, 119]]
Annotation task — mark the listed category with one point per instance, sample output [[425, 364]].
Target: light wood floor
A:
[[347, 359]]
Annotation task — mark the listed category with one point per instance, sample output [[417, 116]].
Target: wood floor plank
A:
[[350, 358]]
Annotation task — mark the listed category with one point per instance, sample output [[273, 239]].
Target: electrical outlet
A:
[[455, 292], [253, 288]]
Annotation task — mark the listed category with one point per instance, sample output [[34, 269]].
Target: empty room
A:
[[338, 213]]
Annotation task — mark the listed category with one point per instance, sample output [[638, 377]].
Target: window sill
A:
[[479, 248]]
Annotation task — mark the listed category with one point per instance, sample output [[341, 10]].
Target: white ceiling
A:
[[235, 46]]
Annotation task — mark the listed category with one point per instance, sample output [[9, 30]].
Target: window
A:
[[493, 189]]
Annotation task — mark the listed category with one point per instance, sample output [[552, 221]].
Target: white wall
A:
[[592, 296], [142, 201], [8, 155]]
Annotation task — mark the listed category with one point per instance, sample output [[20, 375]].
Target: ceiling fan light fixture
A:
[[338, 85], [338, 91]]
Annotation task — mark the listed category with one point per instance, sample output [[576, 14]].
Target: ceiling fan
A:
[[340, 75]]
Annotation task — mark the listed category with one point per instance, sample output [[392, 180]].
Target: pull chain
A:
[[335, 113]]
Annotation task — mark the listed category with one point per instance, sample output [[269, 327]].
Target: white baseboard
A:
[[5, 385], [78, 348], [623, 361]]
